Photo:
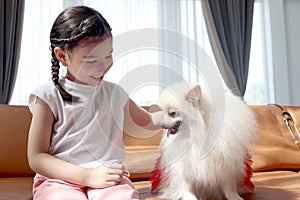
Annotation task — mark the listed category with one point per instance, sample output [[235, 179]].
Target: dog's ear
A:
[[193, 95]]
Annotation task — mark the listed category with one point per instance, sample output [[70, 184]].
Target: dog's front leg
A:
[[185, 191], [231, 194], [234, 197], [229, 185]]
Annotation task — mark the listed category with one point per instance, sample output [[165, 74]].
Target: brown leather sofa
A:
[[276, 158]]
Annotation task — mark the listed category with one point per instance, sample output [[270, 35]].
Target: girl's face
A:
[[90, 60]]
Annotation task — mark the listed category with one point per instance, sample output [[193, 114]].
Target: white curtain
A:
[[155, 43]]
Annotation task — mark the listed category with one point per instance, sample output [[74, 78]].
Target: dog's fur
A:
[[206, 143]]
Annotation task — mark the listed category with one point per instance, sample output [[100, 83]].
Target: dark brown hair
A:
[[72, 25]]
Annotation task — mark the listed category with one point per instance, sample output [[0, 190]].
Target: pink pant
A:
[[50, 189]]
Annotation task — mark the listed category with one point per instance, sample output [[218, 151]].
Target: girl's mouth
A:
[[97, 78]]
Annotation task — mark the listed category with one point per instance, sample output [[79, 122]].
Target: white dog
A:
[[205, 151]]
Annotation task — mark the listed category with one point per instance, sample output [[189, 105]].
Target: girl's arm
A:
[[47, 165], [139, 122]]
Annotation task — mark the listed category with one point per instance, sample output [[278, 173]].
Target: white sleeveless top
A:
[[87, 133]]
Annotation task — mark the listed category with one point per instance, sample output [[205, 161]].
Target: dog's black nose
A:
[[162, 125]]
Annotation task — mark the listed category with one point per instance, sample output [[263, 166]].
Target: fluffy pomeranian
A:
[[205, 151]]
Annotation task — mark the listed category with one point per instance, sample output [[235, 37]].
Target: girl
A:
[[75, 141]]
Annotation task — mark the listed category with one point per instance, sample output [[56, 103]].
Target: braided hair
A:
[[72, 25]]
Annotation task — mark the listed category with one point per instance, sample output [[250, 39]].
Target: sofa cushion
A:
[[17, 188], [140, 161], [273, 185], [15, 122], [275, 148]]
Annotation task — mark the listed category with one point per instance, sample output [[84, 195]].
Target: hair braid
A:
[[75, 38], [55, 77], [55, 68]]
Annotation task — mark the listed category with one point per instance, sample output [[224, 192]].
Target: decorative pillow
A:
[[275, 148]]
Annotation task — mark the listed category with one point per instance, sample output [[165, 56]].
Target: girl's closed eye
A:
[[108, 57], [91, 61]]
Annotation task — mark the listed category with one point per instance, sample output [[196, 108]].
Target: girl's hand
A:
[[104, 176], [125, 172]]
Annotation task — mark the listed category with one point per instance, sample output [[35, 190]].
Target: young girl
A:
[[75, 141]]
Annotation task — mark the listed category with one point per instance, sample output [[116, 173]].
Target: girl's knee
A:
[[52, 189], [60, 195], [124, 192]]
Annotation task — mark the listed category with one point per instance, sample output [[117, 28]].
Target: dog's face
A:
[[176, 102]]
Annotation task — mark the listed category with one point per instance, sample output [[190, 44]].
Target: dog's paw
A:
[[188, 196], [233, 196]]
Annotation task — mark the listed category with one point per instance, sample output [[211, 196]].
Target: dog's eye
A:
[[172, 113]]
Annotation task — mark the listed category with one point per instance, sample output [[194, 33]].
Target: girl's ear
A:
[[61, 55]]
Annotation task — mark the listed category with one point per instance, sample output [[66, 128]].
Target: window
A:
[[256, 92], [126, 16]]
